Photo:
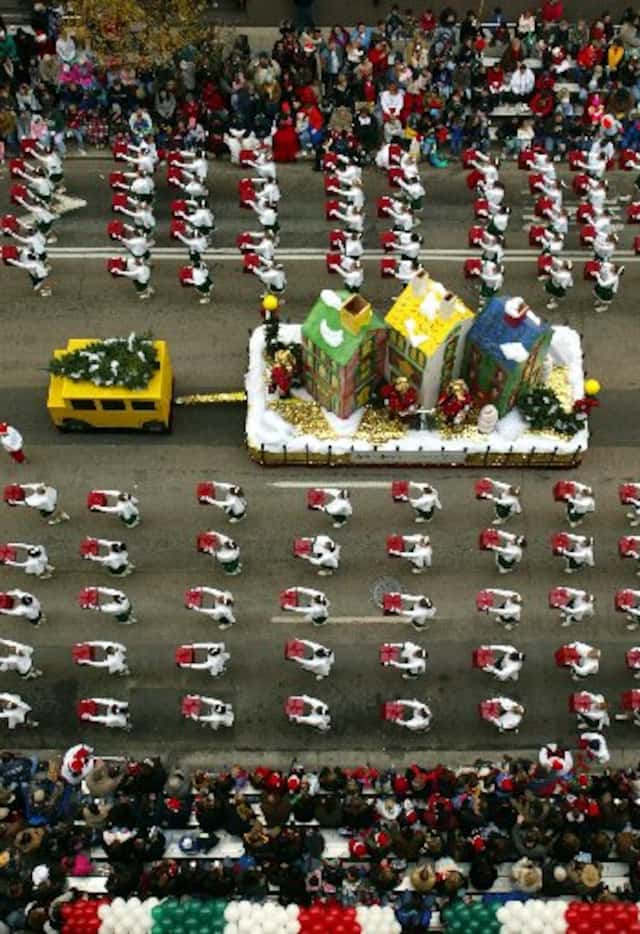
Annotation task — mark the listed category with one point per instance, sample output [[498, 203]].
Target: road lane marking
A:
[[333, 619], [350, 484]]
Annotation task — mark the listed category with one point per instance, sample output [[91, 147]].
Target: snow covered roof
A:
[[418, 318], [509, 344], [323, 327]]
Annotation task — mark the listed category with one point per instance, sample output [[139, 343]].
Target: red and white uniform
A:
[[106, 711], [109, 601], [312, 604], [577, 550], [504, 662], [324, 555], [504, 496], [415, 717], [417, 550], [207, 711], [554, 759], [630, 496], [417, 608], [505, 713], [591, 710], [574, 605], [308, 711], [111, 656], [334, 502], [15, 656], [203, 656], [581, 658], [123, 505], [25, 605], [505, 605], [231, 499], [595, 747], [77, 762], [216, 604], [311, 656], [11, 441], [112, 555], [579, 500], [407, 657], [32, 559], [628, 602], [14, 711]]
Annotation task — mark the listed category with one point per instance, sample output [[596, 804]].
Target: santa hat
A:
[[173, 804], [274, 781], [293, 783], [556, 764], [478, 844], [80, 759], [357, 849], [400, 785], [382, 838], [3, 428], [505, 784], [411, 816]]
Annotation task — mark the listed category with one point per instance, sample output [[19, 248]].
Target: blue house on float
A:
[[504, 350]]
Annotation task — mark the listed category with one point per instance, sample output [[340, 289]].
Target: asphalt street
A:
[[208, 349]]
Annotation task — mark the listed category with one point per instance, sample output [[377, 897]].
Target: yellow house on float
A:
[[427, 326]]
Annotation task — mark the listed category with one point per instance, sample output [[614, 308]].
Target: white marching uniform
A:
[[114, 657], [420, 554], [505, 499], [417, 608], [19, 658], [196, 166], [412, 660], [351, 273], [403, 217], [352, 218], [425, 501], [508, 554], [407, 244], [492, 276], [554, 759], [325, 555], [406, 269], [580, 503], [214, 713], [579, 554], [596, 747], [580, 604], [11, 440], [338, 506], [15, 711], [215, 661], [352, 246], [588, 661], [221, 610], [264, 165], [316, 611], [116, 604], [320, 662], [634, 503], [632, 613], [124, 506], [35, 561], [420, 718], [597, 717], [509, 608], [271, 275], [353, 194], [26, 606], [115, 716], [318, 716], [508, 665], [267, 216], [234, 504], [116, 558], [349, 173], [491, 248], [510, 716]]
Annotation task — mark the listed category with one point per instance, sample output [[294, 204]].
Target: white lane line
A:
[[331, 482], [333, 619]]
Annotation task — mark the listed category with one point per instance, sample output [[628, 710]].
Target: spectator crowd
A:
[[428, 80], [416, 839]]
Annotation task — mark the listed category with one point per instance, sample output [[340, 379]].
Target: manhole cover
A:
[[384, 585]]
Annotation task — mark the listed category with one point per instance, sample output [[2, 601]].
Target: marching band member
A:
[[196, 165], [19, 659], [337, 505], [578, 553], [606, 284], [42, 215], [632, 498], [406, 269], [35, 561], [492, 278], [200, 278], [510, 553], [11, 441], [113, 603], [263, 164], [587, 661], [558, 282], [499, 221], [420, 718], [317, 717], [215, 660], [141, 187], [319, 663], [267, 215], [551, 242], [123, 505], [506, 605], [316, 611], [352, 217], [348, 171], [579, 502], [37, 269], [411, 661], [195, 241], [325, 555], [351, 247], [352, 193], [234, 503], [510, 714], [34, 241], [43, 498], [408, 245], [143, 157], [492, 248], [113, 657], [220, 610], [419, 553], [414, 191], [508, 665], [212, 712], [579, 605], [417, 608], [402, 215], [595, 747], [39, 185], [137, 244], [198, 215], [15, 711], [272, 276], [595, 716], [116, 558], [141, 215], [140, 274], [192, 187], [632, 610], [425, 501], [26, 605], [226, 552], [555, 759], [51, 162], [115, 715], [351, 273]]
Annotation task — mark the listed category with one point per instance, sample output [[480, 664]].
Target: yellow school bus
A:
[[79, 405]]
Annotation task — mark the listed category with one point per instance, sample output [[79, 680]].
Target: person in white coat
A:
[[510, 715], [19, 658], [414, 192], [595, 748], [12, 442], [417, 608], [15, 712], [352, 217], [193, 163], [199, 216], [424, 499], [264, 165], [217, 605], [587, 662], [492, 278], [114, 556], [214, 661], [325, 555], [319, 661], [419, 715], [579, 605], [314, 608], [632, 611], [140, 274], [558, 282], [121, 504], [506, 606], [508, 664], [37, 269], [113, 714], [510, 552], [112, 656], [606, 284], [402, 216], [43, 498], [196, 243], [634, 502], [346, 171], [264, 243], [114, 603], [214, 713], [492, 248], [352, 193], [266, 214], [596, 717], [33, 241], [419, 552], [553, 758], [578, 554], [408, 245], [505, 499], [579, 503], [32, 559], [412, 660], [25, 605], [141, 216], [317, 717], [138, 244], [337, 506], [233, 502], [351, 272], [272, 276], [227, 554]]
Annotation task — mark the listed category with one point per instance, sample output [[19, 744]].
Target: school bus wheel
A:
[[154, 427]]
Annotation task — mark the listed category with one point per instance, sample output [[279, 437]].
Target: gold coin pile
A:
[[306, 417]]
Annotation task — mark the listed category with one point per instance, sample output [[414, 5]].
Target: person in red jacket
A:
[[542, 103], [400, 397], [552, 11]]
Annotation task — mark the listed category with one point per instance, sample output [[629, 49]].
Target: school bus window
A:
[[113, 405], [83, 404], [143, 406]]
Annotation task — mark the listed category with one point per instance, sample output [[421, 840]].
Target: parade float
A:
[[432, 383]]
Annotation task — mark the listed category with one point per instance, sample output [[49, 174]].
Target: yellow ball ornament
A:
[[269, 303], [592, 387]]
